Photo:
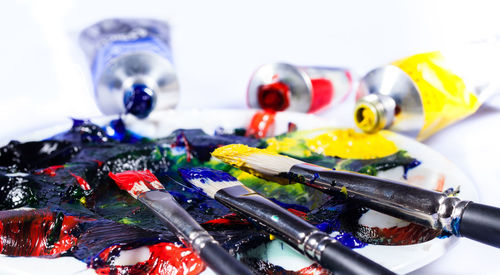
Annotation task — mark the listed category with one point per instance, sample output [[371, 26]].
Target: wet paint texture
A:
[[136, 182], [164, 258], [206, 173], [84, 218], [261, 125], [36, 233], [351, 144]]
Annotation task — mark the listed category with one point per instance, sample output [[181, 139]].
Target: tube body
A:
[[421, 94], [131, 66]]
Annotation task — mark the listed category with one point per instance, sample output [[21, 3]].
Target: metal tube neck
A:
[[374, 112]]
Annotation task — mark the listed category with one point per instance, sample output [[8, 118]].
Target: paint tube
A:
[[281, 86], [421, 94], [131, 66]]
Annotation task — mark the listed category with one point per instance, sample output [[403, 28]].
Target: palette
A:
[[401, 259]]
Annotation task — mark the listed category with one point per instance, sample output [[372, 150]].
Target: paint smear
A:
[[347, 143], [164, 258]]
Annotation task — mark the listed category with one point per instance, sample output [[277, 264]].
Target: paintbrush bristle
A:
[[260, 162], [208, 180], [136, 182]]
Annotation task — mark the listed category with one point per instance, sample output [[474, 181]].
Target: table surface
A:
[[218, 44]]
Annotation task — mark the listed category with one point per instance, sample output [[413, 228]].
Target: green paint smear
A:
[[128, 220]]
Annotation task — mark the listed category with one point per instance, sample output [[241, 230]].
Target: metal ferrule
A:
[[406, 108], [452, 224], [315, 243], [272, 217], [381, 107], [178, 220], [425, 207]]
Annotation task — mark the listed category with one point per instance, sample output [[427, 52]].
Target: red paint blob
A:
[[83, 184], [229, 221], [298, 213], [99, 163], [26, 233], [274, 96], [261, 124], [188, 148], [314, 269], [233, 221], [165, 258], [50, 171]]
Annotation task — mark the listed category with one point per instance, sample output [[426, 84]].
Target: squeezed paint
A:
[[164, 258], [347, 143]]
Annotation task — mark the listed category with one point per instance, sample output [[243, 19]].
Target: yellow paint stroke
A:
[[347, 143], [343, 190], [233, 154]]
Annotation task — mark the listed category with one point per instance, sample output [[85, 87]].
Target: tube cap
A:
[[139, 100], [274, 96], [374, 112]]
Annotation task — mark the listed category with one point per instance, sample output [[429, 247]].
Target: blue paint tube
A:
[[131, 66]]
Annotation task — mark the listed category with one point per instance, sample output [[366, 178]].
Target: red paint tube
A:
[[284, 87]]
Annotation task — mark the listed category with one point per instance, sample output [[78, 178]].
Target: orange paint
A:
[[261, 124]]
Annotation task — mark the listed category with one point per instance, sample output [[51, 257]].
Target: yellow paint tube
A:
[[421, 94]]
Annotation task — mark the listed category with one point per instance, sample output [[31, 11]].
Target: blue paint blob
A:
[[77, 122], [203, 173], [409, 166], [118, 131], [315, 177], [455, 226], [346, 238]]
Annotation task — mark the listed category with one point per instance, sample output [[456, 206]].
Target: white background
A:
[[44, 77]]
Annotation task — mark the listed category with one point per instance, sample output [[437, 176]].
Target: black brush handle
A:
[[481, 223], [220, 261], [343, 260]]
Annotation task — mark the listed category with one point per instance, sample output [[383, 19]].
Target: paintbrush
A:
[[429, 208], [146, 188], [303, 236]]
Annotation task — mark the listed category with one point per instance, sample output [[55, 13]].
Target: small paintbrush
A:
[[146, 188], [429, 208], [303, 236]]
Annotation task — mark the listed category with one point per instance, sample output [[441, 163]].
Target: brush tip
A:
[[136, 182], [208, 180], [203, 174], [238, 149]]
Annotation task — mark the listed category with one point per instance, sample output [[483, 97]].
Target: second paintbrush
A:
[[303, 236]]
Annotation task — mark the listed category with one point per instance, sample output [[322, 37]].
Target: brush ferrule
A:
[[267, 214], [314, 244], [453, 208], [178, 220], [199, 239]]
